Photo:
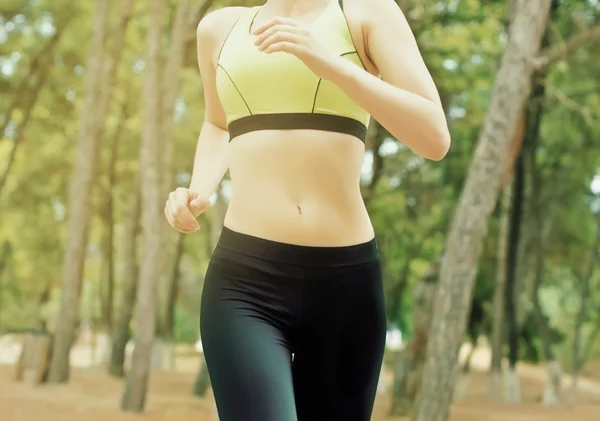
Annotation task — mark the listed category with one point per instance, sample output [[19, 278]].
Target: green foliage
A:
[[414, 200]]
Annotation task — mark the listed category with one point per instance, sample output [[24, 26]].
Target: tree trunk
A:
[[409, 364], [202, 380], [172, 295], [32, 366], [514, 241], [41, 79], [134, 397], [470, 224], [553, 387], [585, 280], [36, 66], [498, 301], [108, 247], [170, 90], [168, 98], [109, 79], [79, 200], [174, 287], [120, 334], [5, 256], [534, 119]]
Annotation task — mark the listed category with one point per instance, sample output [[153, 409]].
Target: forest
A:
[[491, 256]]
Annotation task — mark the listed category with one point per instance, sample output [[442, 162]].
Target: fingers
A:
[[279, 37], [178, 212], [174, 223], [285, 46], [276, 21], [280, 32], [197, 206]]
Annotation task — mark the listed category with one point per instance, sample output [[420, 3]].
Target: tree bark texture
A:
[[79, 200], [18, 139], [512, 274], [173, 291], [36, 65], [552, 391], [134, 397], [120, 334], [108, 241], [585, 291], [539, 215], [498, 338], [470, 224], [409, 364], [170, 89]]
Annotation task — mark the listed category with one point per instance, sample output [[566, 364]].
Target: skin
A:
[[275, 194]]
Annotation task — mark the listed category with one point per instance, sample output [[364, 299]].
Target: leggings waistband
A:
[[296, 254]]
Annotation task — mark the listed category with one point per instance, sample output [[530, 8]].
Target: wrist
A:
[[199, 191]]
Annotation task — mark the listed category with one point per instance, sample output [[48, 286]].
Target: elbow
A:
[[438, 136], [440, 145]]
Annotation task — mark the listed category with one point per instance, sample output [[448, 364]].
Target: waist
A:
[[268, 249], [315, 225], [298, 187]]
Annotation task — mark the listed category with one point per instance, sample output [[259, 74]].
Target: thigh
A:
[[337, 366], [247, 357]]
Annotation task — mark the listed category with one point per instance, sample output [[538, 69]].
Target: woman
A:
[[292, 318]]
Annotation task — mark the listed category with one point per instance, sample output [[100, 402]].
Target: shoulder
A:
[[214, 26], [373, 12], [218, 20]]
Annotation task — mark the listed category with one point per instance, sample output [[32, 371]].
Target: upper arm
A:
[[210, 36], [393, 49]]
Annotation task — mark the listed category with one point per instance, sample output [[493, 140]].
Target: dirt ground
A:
[[94, 396]]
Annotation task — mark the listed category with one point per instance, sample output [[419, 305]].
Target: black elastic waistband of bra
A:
[[298, 121]]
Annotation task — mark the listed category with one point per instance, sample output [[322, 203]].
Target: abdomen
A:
[[299, 187]]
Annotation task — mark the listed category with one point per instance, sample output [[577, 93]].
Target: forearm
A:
[[211, 160], [414, 120]]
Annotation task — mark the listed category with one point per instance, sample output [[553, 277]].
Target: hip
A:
[[292, 283]]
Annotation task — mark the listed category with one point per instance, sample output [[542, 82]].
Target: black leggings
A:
[[293, 332]]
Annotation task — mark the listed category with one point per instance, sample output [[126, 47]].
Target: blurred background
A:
[[490, 256]]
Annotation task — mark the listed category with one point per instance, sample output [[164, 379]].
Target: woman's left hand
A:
[[283, 34]]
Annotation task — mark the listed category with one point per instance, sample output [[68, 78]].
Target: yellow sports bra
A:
[[277, 91]]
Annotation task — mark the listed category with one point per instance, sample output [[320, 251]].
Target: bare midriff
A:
[[298, 187]]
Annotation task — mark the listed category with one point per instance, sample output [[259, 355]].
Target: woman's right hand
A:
[[182, 209]]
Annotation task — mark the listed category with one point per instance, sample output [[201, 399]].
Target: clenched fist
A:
[[182, 208]]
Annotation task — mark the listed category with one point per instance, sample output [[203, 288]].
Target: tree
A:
[[469, 226], [169, 94], [585, 281], [497, 337], [79, 199], [109, 80], [134, 397], [120, 333]]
